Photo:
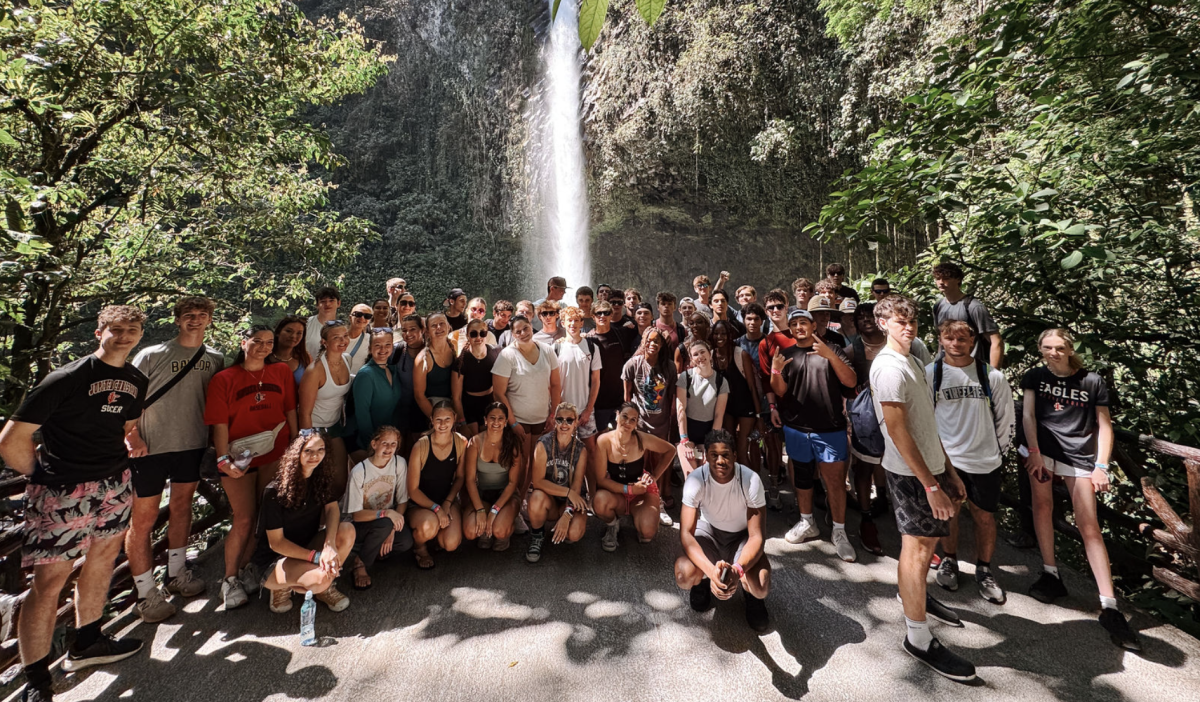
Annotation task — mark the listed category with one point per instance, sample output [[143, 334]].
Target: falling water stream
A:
[[560, 242]]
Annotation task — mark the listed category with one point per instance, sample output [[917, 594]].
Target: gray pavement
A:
[[589, 625]]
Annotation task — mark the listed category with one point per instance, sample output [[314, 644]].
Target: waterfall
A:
[[559, 245]]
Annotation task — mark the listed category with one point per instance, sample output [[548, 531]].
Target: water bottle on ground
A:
[[308, 621]]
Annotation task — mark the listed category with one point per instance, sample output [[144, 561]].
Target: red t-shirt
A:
[[252, 402], [768, 346]]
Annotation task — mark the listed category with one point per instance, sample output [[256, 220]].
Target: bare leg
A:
[[834, 475], [539, 509], [915, 552], [450, 537], [645, 517], [340, 462], [141, 529], [1043, 518], [950, 542], [1083, 501], [758, 578], [985, 533], [242, 498], [35, 628], [179, 524], [91, 589], [687, 574]]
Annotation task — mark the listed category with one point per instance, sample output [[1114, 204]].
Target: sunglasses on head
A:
[[564, 420], [312, 431], [361, 315], [380, 330], [336, 322], [478, 334]]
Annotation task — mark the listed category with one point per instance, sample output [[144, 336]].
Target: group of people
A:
[[342, 443]]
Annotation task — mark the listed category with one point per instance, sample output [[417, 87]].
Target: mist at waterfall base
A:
[[559, 241]]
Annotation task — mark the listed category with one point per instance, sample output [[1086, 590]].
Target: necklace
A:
[[261, 373]]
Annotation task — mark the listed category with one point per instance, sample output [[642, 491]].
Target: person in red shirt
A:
[[249, 397]]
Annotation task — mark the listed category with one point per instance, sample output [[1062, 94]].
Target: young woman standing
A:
[[700, 399], [471, 379], [377, 393], [525, 379], [431, 373], [493, 472], [650, 378], [323, 396], [737, 367], [290, 347]]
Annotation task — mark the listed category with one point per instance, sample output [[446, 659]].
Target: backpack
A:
[[981, 369], [717, 380], [591, 344], [866, 436]]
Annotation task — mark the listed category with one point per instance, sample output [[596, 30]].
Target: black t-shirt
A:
[[614, 352], [1066, 413], [458, 322], [834, 338], [814, 398], [846, 291], [82, 409], [299, 525]]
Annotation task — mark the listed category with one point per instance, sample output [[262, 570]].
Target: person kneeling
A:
[[294, 507], [721, 532], [376, 500], [560, 465]]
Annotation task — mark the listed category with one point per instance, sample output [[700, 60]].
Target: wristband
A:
[[683, 438], [569, 511], [1102, 466], [381, 514], [625, 489], [772, 406], [740, 570], [495, 510], [436, 508], [1033, 451], [513, 425], [775, 371], [314, 557], [931, 488]]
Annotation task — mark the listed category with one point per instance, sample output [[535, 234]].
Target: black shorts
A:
[[983, 489], [474, 407], [697, 430], [914, 516], [150, 473], [721, 545], [605, 419]]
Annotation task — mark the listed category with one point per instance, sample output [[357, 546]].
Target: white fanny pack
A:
[[259, 444]]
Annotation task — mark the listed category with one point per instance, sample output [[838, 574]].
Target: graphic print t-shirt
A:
[[653, 393], [235, 397], [82, 408], [1066, 414], [372, 487]]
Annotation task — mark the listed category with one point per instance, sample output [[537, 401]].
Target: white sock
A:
[[176, 561], [1108, 602], [918, 634], [614, 522], [145, 584], [839, 525], [1052, 570], [806, 517]]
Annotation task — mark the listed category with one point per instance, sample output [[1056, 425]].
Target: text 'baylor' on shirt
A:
[[1066, 413]]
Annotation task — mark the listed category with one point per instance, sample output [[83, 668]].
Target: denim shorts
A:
[[823, 447]]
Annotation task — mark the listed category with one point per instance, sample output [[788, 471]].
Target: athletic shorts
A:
[[721, 545], [914, 516], [586, 430], [489, 497], [474, 407], [698, 431], [150, 473], [823, 447], [605, 419], [1065, 470], [62, 522], [983, 489]]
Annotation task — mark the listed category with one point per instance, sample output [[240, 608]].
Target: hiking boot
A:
[[947, 573], [250, 577], [869, 533], [105, 650], [281, 601], [1118, 629], [154, 607], [802, 531], [609, 541], [756, 613], [333, 599], [942, 660], [534, 553], [845, 550], [701, 596], [989, 589], [1048, 588], [185, 584], [233, 593]]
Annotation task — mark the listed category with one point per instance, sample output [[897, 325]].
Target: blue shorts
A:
[[824, 447]]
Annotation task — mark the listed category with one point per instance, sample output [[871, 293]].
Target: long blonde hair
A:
[[1075, 362]]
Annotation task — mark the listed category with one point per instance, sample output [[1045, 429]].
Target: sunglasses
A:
[[406, 303], [477, 334], [774, 308], [313, 431], [480, 310], [703, 286], [381, 330], [548, 313], [361, 315], [604, 314], [881, 291], [336, 323], [564, 420]]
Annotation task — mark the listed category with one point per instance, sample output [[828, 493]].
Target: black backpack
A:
[[718, 378], [981, 369]]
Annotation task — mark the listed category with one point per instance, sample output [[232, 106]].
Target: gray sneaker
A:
[[802, 531], [989, 589], [154, 607], [609, 542], [845, 550], [947, 573], [534, 554], [185, 584], [250, 578], [233, 593]]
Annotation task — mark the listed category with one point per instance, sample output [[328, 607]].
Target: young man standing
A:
[[836, 273], [328, 302], [621, 320], [880, 288], [822, 309], [976, 422], [176, 439], [79, 495], [502, 312], [579, 364], [955, 304], [548, 313], [666, 323], [584, 299], [613, 345], [603, 291], [456, 309], [802, 290], [395, 288], [703, 301], [812, 380], [768, 346], [924, 486], [721, 313], [722, 533]]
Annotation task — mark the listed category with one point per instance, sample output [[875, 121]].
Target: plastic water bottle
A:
[[308, 621]]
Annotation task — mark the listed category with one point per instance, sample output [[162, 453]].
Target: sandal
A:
[[360, 574], [424, 560]]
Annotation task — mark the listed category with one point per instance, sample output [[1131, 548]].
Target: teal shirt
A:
[[376, 403]]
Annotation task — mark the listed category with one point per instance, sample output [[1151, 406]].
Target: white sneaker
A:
[[519, 525], [250, 578], [845, 550], [233, 593], [609, 542], [802, 531], [663, 517]]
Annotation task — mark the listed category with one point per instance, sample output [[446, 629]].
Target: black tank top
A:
[[739, 388], [628, 472], [476, 372], [437, 475]]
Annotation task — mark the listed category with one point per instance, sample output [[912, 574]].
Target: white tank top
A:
[[328, 409]]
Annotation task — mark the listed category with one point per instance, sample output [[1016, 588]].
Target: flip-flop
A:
[[424, 560], [354, 572]]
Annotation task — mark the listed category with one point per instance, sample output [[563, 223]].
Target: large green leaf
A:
[[591, 19], [554, 10], [650, 10]]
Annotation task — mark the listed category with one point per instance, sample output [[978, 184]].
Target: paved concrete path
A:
[[589, 625]]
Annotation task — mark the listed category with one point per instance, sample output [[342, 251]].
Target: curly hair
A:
[[125, 314], [293, 488]]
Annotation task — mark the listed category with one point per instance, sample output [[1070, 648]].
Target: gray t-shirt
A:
[[702, 400], [973, 312], [899, 378], [176, 421]]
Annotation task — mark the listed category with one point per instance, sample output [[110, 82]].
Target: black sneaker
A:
[[1020, 539], [701, 596], [943, 660], [105, 650], [1118, 629], [756, 613], [1048, 588], [43, 693], [534, 554], [937, 611]]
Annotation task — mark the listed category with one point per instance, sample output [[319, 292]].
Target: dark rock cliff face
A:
[[712, 140]]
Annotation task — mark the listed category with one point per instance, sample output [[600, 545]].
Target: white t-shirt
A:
[[528, 383], [724, 506], [702, 402], [899, 378], [371, 487], [359, 353], [575, 365], [972, 434], [312, 336]]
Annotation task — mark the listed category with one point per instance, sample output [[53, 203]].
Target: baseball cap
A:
[[820, 303], [848, 305], [797, 314], [455, 293]]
